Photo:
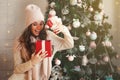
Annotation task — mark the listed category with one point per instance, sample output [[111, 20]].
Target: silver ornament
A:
[[81, 48], [93, 60]]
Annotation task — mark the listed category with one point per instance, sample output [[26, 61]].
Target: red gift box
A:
[[44, 45], [49, 23]]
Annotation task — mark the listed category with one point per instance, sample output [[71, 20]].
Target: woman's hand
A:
[[37, 58], [58, 29]]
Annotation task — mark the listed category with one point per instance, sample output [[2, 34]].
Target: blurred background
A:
[[12, 24]]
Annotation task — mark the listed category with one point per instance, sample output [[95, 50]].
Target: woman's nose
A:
[[38, 27]]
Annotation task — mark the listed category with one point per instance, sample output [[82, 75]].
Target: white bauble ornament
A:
[[92, 44], [73, 2], [106, 58], [93, 36], [84, 60], [57, 62], [88, 33], [76, 23], [90, 8], [52, 4], [81, 48], [98, 17]]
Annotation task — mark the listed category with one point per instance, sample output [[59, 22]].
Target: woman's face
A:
[[37, 27]]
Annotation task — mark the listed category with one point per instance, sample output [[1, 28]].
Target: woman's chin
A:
[[35, 35]]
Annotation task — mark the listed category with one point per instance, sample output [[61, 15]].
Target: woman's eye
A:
[[34, 24], [41, 24]]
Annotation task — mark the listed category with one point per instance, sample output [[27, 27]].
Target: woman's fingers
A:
[[44, 54], [33, 54], [57, 30], [40, 51]]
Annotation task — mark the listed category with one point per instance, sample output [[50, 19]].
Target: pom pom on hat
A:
[[33, 14]]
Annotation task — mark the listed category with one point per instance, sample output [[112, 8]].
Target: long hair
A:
[[25, 39]]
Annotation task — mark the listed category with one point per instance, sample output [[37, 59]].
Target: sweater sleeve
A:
[[61, 43], [19, 66]]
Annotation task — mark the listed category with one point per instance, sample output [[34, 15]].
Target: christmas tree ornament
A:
[[73, 2], [75, 38], [106, 58], [107, 43], [93, 36], [93, 60], [77, 68], [56, 73], [65, 10], [81, 48], [109, 77], [71, 57], [52, 13], [88, 70], [88, 33], [57, 61], [79, 3], [76, 23], [84, 60], [84, 6], [90, 8], [82, 71], [93, 44], [101, 6], [98, 16], [52, 4]]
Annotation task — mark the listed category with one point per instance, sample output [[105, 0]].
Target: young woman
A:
[[27, 65]]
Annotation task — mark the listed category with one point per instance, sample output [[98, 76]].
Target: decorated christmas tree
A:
[[90, 59]]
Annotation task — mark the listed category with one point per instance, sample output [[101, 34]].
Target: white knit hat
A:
[[33, 14]]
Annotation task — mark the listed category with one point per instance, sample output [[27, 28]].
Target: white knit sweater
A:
[[44, 68]]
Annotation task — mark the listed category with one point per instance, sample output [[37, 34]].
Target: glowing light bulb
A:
[[8, 31]]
